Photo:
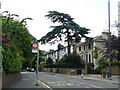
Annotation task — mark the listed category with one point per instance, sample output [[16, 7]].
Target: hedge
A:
[[63, 66]]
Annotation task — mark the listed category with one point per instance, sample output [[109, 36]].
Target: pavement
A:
[[115, 79]]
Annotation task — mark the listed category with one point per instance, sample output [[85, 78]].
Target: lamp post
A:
[[36, 50], [109, 43]]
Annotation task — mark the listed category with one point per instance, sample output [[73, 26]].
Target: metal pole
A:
[[37, 67], [109, 43]]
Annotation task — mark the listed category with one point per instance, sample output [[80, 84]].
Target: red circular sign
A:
[[34, 45]]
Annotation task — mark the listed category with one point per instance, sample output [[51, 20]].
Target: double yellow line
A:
[[45, 85]]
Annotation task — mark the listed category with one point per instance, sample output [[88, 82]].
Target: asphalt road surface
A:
[[54, 81]]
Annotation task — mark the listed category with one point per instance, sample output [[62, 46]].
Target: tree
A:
[[95, 53], [58, 51], [115, 50], [16, 42], [67, 28]]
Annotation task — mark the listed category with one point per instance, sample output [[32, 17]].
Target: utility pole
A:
[[109, 43]]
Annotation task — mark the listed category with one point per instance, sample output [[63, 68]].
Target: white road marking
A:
[[95, 86]]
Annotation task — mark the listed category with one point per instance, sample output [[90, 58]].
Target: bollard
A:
[[104, 75], [81, 75]]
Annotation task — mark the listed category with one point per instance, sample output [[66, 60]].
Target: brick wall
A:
[[9, 79], [64, 70]]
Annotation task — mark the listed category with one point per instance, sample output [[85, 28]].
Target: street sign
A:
[[34, 50], [34, 45]]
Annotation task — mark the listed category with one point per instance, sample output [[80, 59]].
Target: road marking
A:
[[87, 87], [95, 86], [45, 85], [77, 82]]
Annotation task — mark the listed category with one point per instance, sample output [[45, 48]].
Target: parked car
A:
[[30, 69]]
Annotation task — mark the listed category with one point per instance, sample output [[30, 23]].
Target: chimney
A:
[[105, 34]]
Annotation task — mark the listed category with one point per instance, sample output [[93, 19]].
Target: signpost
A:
[[34, 45], [36, 50]]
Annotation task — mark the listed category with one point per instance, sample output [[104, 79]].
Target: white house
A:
[[84, 49]]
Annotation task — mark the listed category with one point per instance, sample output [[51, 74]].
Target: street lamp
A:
[[109, 43]]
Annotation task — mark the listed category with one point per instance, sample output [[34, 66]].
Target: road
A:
[[53, 81]]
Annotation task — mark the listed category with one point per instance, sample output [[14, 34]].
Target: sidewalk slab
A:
[[113, 80]]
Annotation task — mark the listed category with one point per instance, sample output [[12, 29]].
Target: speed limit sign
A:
[[34, 45]]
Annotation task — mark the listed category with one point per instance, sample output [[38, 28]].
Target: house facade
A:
[[84, 49], [57, 54]]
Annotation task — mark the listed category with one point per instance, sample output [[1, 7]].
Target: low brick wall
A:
[[9, 79], [115, 70], [0, 82], [64, 70]]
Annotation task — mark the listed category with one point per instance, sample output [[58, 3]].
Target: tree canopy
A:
[[115, 48], [16, 43], [67, 29]]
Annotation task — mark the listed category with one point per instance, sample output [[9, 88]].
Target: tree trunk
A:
[[68, 41]]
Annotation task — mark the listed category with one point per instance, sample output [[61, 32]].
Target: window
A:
[[84, 47], [89, 57], [79, 48], [64, 49], [86, 58], [89, 46]]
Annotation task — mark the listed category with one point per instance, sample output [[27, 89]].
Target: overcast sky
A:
[[92, 14]]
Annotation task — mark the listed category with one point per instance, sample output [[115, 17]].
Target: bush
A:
[[98, 70], [49, 61], [115, 63], [70, 61], [41, 65], [103, 63], [64, 65], [61, 61], [12, 60], [73, 59], [90, 67]]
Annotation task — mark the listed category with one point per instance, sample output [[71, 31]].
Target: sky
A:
[[92, 14]]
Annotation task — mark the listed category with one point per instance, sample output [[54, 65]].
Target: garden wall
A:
[[115, 70], [9, 79], [65, 70]]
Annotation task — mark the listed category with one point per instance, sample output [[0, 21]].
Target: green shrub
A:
[[63, 65], [12, 60], [73, 59], [95, 53], [90, 67], [103, 63], [41, 66], [115, 63], [61, 61], [49, 61], [0, 61]]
